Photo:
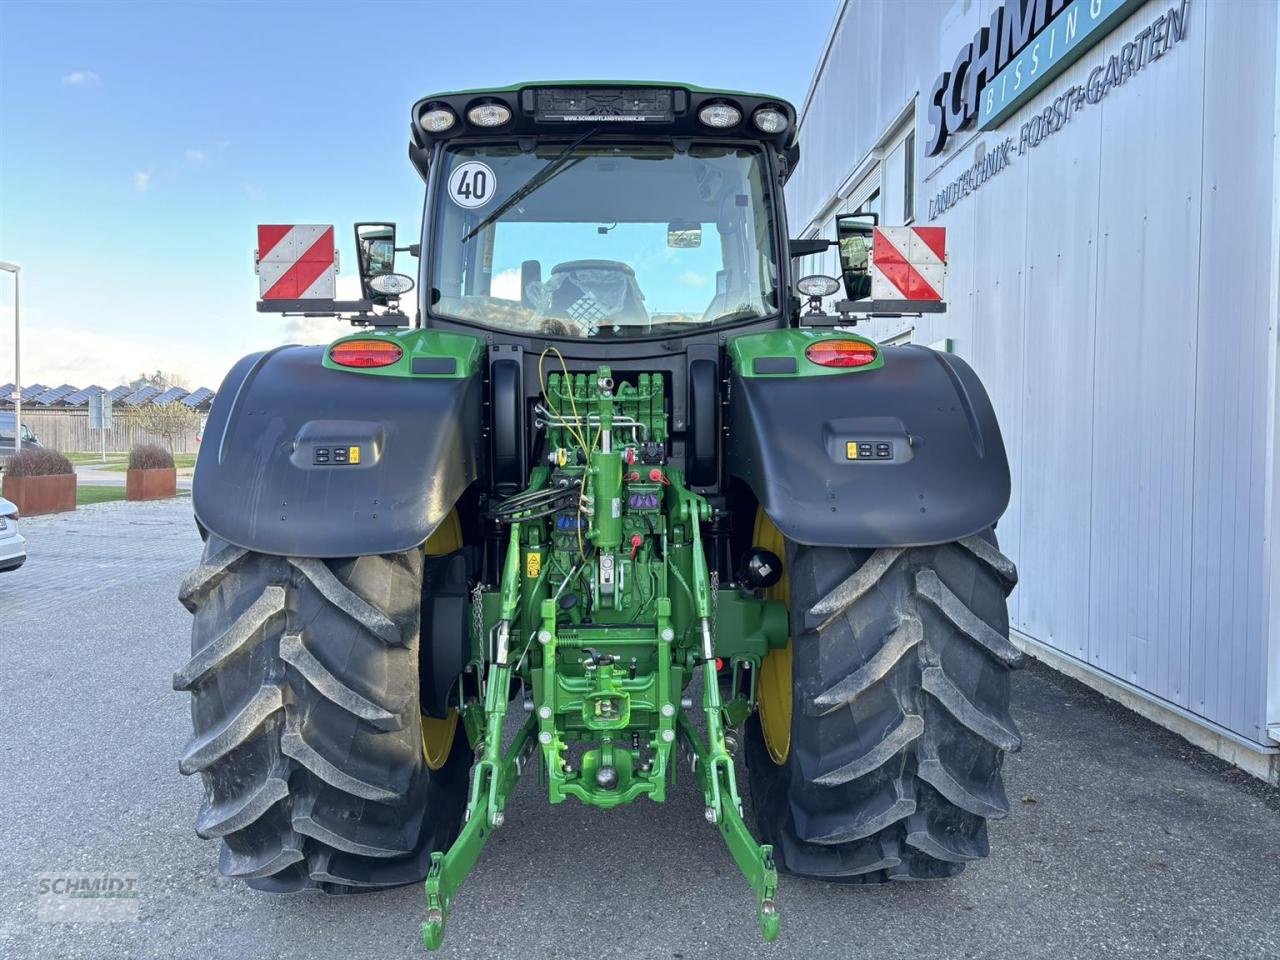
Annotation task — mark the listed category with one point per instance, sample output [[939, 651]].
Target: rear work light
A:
[[365, 353], [841, 353], [720, 115], [438, 119], [489, 114], [769, 120]]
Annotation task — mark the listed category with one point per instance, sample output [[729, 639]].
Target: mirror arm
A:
[[805, 248]]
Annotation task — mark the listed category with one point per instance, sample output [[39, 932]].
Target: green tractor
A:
[[619, 484]]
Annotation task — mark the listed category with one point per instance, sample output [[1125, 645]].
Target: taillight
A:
[[841, 353], [365, 353]]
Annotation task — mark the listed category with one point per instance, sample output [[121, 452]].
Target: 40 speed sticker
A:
[[472, 184]]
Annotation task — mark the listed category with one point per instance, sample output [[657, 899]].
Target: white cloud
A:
[[82, 78], [142, 180], [506, 284], [312, 330], [692, 279], [196, 156], [57, 355], [54, 353]]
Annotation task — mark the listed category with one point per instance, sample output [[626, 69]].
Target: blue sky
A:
[[141, 143]]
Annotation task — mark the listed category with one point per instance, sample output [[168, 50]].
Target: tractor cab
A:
[[603, 214]]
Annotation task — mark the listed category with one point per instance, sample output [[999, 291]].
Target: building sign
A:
[[1025, 44], [1149, 45]]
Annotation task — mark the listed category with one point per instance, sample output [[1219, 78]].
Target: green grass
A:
[[119, 462], [96, 457], [90, 494], [183, 461]]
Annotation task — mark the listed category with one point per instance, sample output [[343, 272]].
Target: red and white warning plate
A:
[[296, 261], [908, 263]]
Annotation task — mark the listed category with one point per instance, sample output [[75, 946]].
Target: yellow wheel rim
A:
[[773, 689], [446, 538], [437, 735], [437, 739]]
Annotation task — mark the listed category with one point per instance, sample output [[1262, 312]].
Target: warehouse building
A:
[[1106, 171]]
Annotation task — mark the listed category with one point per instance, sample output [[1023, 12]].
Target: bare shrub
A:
[[38, 462], [150, 456]]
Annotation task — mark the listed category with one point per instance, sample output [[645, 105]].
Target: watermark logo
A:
[[87, 897]]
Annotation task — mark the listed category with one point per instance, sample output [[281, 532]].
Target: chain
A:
[[477, 613]]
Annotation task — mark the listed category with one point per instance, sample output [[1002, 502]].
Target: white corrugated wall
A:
[[1115, 288]]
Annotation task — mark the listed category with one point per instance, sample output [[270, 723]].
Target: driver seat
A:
[[597, 292]]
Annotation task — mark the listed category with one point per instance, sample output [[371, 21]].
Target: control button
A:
[[339, 454], [884, 451], [322, 455], [851, 450], [865, 451], [353, 455]]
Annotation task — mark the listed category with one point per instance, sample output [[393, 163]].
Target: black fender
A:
[[257, 483], [946, 475]]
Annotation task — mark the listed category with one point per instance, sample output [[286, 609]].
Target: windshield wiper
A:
[[554, 166]]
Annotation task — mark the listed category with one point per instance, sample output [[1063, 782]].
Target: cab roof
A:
[[570, 107]]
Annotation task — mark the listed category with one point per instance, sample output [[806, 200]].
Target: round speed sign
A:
[[472, 184]]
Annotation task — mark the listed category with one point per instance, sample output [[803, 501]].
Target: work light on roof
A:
[[720, 115], [437, 120], [489, 114], [769, 120]]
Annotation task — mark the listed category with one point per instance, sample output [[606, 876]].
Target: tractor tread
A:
[[998, 732], [347, 600], [836, 862], [207, 575], [243, 633], [307, 822], [293, 651], [854, 588], [900, 716], [263, 862], [950, 845], [986, 551], [304, 689], [214, 745], [294, 744], [964, 619], [992, 805], [841, 830], [888, 747], [219, 819], [909, 633]]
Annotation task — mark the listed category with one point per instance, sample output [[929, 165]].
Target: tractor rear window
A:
[[596, 240]]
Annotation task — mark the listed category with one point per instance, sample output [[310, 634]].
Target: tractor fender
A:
[[946, 475], [268, 477]]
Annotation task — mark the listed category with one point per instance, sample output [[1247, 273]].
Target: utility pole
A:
[[17, 359]]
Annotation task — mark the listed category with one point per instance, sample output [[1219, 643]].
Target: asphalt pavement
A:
[[1123, 841]]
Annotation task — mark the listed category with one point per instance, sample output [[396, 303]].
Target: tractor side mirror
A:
[[854, 234], [376, 253], [684, 234]]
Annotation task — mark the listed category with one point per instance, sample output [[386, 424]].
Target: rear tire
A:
[[308, 733], [900, 712]]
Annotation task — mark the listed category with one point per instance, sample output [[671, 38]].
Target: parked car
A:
[[7, 423], [13, 548]]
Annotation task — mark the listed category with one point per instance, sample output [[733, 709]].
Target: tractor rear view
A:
[[617, 483]]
